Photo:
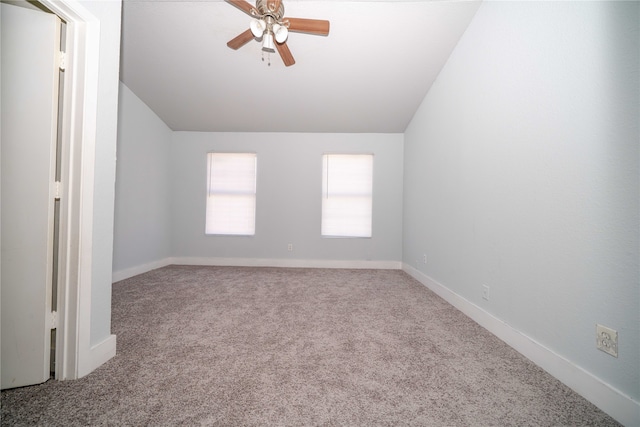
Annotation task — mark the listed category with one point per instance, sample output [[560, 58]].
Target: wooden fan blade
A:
[[241, 40], [285, 53], [245, 6], [274, 5], [311, 26]]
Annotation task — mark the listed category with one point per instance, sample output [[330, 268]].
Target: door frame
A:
[[79, 117]]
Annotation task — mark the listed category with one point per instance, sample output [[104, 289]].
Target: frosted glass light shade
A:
[[267, 43], [257, 27], [280, 32]]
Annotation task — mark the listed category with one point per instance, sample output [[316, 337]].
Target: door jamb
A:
[[73, 342]]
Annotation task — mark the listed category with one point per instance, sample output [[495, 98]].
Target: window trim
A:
[[322, 191], [208, 193]]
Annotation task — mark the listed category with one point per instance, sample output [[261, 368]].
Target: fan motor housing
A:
[[263, 8]]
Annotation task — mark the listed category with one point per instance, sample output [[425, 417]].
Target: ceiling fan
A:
[[270, 24]]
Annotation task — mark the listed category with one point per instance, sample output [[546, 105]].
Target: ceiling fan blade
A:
[[245, 6], [240, 40], [311, 26], [285, 53]]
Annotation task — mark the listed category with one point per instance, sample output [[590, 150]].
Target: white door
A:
[[30, 40]]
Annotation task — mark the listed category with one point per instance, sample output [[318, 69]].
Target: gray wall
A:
[[108, 12], [521, 173], [288, 196], [142, 215]]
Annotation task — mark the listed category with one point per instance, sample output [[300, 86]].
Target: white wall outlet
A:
[[607, 340], [424, 258], [485, 292], [290, 247]]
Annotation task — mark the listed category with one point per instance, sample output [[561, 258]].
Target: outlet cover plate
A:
[[607, 340], [485, 292]]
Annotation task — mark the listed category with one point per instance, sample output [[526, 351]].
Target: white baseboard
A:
[[256, 262], [615, 403], [102, 352], [134, 271], [292, 263]]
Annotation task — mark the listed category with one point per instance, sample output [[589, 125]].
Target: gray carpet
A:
[[274, 346]]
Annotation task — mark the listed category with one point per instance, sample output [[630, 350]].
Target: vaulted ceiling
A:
[[368, 75]]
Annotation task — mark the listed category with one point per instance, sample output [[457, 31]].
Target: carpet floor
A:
[[292, 347]]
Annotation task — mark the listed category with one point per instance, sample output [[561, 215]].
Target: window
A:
[[231, 193], [347, 188]]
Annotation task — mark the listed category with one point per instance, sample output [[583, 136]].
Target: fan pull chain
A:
[[268, 58]]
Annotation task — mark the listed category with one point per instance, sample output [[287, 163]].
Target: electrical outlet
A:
[[607, 340], [424, 258], [290, 247], [485, 292]]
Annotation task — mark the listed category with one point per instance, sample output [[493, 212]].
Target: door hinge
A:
[[62, 60], [53, 320], [57, 190]]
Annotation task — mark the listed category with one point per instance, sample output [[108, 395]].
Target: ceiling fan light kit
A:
[[270, 24], [280, 32], [267, 43], [257, 27]]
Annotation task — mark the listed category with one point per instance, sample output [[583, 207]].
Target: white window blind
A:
[[347, 188], [231, 193]]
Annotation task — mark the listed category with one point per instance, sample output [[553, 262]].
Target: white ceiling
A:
[[368, 75]]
